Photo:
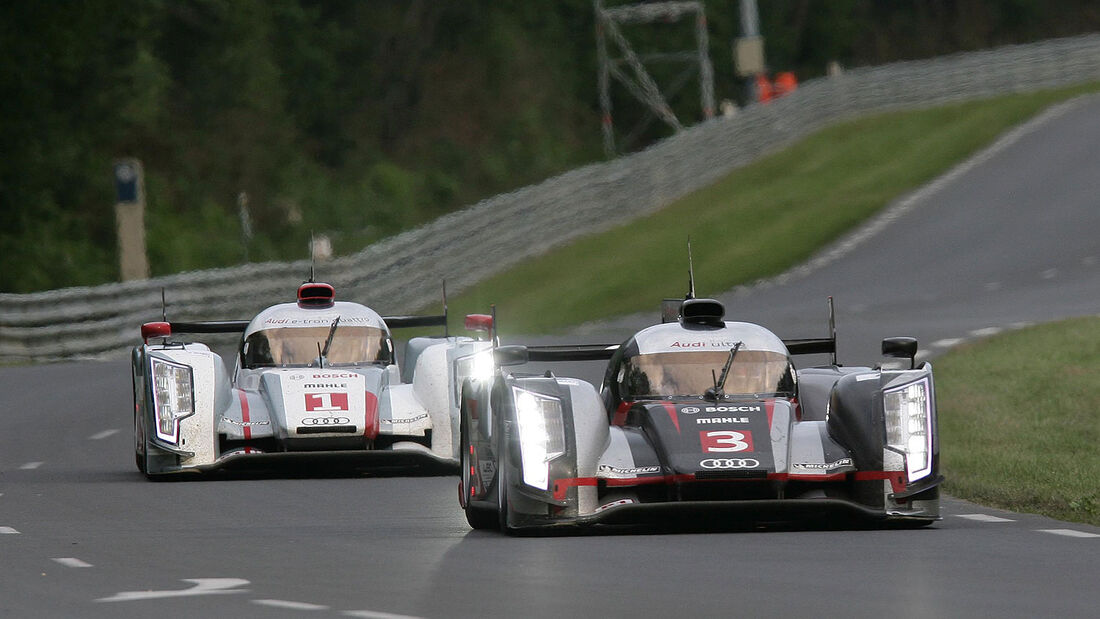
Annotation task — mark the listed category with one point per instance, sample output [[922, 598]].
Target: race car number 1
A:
[[725, 441]]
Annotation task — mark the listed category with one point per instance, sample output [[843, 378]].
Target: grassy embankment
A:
[[1020, 420], [756, 222]]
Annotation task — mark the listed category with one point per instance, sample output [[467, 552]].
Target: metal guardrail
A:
[[404, 272]]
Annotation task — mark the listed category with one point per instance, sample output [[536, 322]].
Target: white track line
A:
[[8, 531], [947, 343], [72, 562], [1049, 274], [30, 466], [102, 435], [290, 605], [984, 518], [986, 332], [371, 614], [1068, 533]]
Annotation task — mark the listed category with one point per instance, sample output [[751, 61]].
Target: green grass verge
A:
[[756, 222], [1019, 419]]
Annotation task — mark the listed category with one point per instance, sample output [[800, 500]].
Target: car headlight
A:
[[541, 434], [478, 366], [173, 397], [909, 425]]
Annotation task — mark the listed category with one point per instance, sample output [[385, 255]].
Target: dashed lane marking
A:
[[8, 531], [984, 518], [986, 332], [993, 286], [1049, 274], [1068, 533], [290, 605], [72, 562], [102, 435], [371, 614], [948, 342], [203, 586], [31, 466]]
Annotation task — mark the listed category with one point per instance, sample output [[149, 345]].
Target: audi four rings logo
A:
[[729, 463], [324, 421], [689, 410]]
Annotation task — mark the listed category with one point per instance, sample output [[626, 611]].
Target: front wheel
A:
[[479, 517]]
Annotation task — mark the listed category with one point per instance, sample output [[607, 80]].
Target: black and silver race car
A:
[[699, 414]]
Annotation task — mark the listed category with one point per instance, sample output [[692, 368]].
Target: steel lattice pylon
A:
[[629, 68]]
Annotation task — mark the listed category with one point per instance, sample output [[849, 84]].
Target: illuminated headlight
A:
[[173, 397], [478, 366], [541, 434], [909, 425]]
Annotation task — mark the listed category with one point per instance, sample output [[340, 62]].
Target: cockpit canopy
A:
[[691, 373], [669, 360], [301, 346]]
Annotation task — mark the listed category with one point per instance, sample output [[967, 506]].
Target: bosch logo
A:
[[689, 410], [734, 409], [324, 421], [729, 463]]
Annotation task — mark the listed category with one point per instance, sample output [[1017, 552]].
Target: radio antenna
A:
[[446, 333], [163, 306], [691, 273], [312, 254]]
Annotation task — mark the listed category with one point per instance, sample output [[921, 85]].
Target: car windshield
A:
[[657, 375], [289, 346]]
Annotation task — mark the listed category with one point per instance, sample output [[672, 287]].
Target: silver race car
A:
[[700, 416], [316, 377]]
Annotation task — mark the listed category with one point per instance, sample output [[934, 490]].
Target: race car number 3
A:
[[725, 441]]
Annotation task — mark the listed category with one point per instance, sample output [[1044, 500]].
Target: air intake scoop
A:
[[702, 312], [315, 295]]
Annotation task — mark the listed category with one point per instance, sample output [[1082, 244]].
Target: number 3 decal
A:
[[725, 441]]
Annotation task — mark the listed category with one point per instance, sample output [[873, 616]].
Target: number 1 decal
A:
[[725, 441], [325, 402]]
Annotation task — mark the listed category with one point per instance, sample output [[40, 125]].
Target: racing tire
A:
[[478, 517], [139, 429], [504, 508]]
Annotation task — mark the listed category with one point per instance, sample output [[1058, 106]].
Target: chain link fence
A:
[[405, 272]]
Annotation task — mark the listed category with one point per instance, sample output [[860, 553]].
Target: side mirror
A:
[[155, 329], [510, 355], [901, 348]]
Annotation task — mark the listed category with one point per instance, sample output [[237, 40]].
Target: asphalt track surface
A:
[[1009, 239]]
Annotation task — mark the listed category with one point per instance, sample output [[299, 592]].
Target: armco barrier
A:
[[404, 272]]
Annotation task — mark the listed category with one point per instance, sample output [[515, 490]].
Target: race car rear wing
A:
[[576, 352], [403, 322], [165, 328]]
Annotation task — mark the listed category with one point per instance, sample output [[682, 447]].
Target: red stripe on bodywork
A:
[[562, 486], [620, 413], [897, 478], [244, 413], [370, 416], [672, 414]]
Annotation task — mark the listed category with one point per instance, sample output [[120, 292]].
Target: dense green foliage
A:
[[1019, 419], [356, 119]]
